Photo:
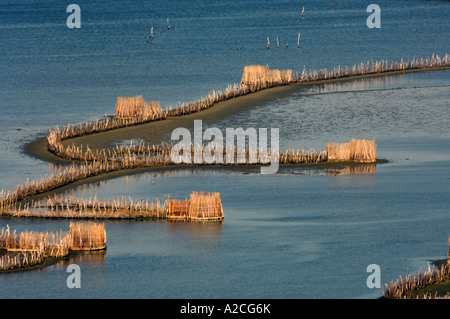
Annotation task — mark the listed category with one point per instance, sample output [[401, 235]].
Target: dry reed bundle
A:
[[205, 206], [28, 241], [177, 209], [57, 245], [259, 76], [256, 75], [136, 107], [124, 208], [402, 288], [357, 169], [363, 151], [88, 236]]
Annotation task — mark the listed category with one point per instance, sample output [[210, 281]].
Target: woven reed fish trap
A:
[[448, 256], [205, 206]]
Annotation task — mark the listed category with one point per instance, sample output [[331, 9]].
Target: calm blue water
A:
[[309, 234]]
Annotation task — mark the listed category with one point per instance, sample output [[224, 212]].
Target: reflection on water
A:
[[297, 234]]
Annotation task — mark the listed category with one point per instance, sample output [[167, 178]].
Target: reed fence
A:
[[403, 288]]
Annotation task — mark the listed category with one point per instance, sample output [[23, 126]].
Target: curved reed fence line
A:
[[87, 236], [105, 161], [32, 248]]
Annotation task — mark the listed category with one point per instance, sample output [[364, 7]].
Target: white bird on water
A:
[[168, 24]]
